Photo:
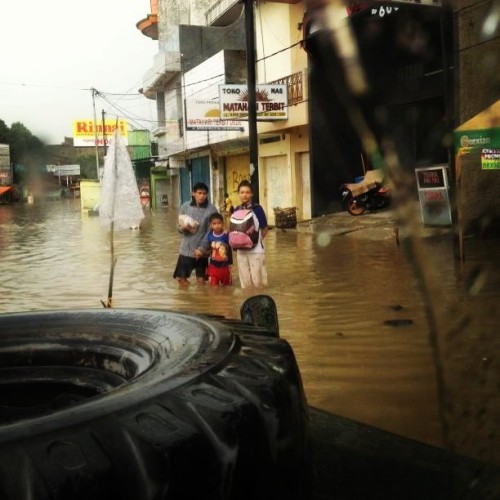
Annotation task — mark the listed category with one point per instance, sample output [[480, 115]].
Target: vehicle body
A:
[[369, 194]]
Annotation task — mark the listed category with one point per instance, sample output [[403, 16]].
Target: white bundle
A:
[[187, 223]]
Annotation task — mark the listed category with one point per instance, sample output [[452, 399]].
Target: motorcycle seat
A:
[[373, 178]]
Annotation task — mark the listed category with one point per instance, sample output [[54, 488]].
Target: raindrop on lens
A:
[[324, 239]]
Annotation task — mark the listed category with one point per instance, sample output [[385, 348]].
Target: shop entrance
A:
[[277, 190]]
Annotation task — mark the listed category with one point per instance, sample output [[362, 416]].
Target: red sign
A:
[[433, 195]]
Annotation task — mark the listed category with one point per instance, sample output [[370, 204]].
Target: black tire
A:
[[356, 205], [140, 405]]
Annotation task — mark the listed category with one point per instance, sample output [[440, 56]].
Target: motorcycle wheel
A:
[[356, 205]]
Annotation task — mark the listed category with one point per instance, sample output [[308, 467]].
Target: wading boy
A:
[[220, 256]]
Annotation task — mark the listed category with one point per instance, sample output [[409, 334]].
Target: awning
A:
[[480, 131], [4, 189], [488, 118], [478, 136]]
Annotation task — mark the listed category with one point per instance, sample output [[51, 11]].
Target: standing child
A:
[[251, 261], [220, 256]]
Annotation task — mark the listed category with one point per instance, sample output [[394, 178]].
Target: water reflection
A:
[[334, 302]]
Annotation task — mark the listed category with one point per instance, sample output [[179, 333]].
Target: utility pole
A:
[[104, 130], [94, 92], [252, 104]]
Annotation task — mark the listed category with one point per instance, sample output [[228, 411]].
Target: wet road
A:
[[372, 344]]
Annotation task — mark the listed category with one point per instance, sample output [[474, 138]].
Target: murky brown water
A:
[[333, 303]]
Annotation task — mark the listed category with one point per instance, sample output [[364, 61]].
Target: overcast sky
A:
[[54, 51]]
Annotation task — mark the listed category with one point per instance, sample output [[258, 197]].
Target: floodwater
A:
[[372, 344]]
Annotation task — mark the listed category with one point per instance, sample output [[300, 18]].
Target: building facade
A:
[[199, 54], [414, 61]]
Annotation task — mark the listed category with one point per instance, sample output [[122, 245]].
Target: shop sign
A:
[[271, 102], [477, 139], [490, 159], [388, 7], [205, 115], [90, 133], [435, 207], [65, 169], [430, 178], [433, 194], [422, 3], [378, 10], [384, 10]]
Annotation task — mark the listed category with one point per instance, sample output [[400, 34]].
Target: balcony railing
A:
[[295, 87], [166, 65], [218, 8]]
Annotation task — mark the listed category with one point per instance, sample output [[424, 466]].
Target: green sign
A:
[[490, 159], [477, 139]]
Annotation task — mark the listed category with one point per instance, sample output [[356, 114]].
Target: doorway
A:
[[303, 186], [277, 190]]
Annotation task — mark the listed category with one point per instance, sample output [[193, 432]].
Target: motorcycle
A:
[[369, 194]]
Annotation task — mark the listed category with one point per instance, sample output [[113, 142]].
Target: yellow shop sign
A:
[[87, 132]]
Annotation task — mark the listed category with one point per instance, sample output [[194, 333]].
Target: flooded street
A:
[[352, 308]]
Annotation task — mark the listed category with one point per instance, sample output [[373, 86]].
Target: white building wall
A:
[[279, 54], [203, 82], [173, 140], [272, 35], [277, 35], [172, 13]]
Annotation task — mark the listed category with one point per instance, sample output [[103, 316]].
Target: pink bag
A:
[[243, 232]]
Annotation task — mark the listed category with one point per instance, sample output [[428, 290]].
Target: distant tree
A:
[[27, 152], [4, 133], [25, 147], [87, 164]]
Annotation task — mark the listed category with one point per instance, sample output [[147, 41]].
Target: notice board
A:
[[433, 193]]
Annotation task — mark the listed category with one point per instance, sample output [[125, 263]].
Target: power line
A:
[[38, 85], [123, 113], [137, 94], [106, 96]]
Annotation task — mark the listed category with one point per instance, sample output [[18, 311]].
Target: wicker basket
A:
[[285, 217]]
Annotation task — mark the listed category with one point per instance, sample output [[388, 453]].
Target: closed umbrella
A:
[[120, 206]]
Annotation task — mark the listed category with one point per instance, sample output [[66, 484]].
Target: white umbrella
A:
[[120, 206]]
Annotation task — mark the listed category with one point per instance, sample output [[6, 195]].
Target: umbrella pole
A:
[[109, 302]]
